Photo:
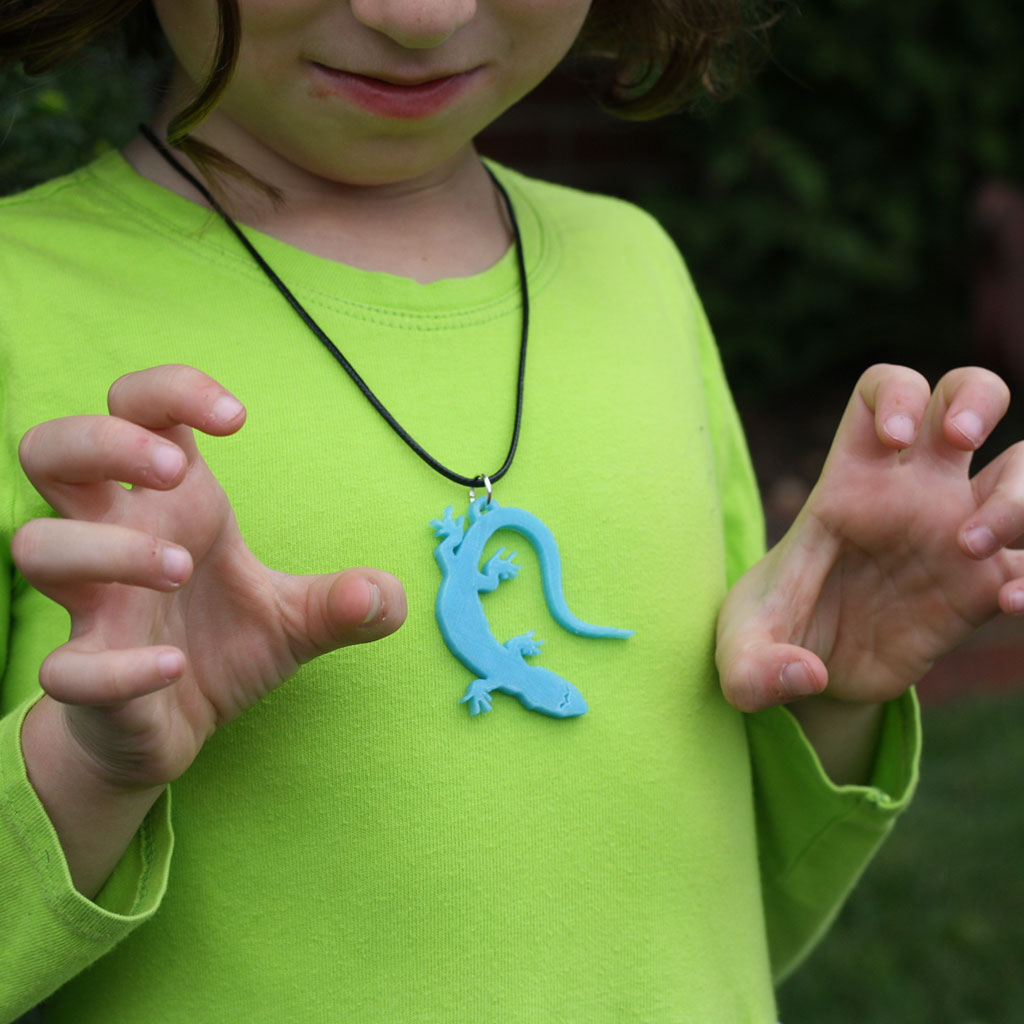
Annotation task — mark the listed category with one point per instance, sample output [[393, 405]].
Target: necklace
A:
[[459, 611], [481, 480]]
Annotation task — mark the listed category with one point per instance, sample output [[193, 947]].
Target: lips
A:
[[396, 98]]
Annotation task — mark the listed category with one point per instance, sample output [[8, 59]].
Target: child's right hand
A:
[[176, 626]]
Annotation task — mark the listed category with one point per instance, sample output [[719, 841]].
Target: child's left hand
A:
[[897, 556]]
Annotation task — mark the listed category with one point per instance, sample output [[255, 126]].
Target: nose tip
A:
[[415, 24]]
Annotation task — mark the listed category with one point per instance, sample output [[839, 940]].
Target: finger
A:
[[967, 404], [1011, 597], [352, 607], [53, 554], [884, 413], [999, 519], [81, 457], [163, 397], [766, 674], [107, 678], [897, 398]]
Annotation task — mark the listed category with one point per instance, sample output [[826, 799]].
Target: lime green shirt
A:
[[358, 847]]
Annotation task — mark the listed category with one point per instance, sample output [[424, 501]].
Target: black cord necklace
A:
[[460, 548], [481, 480]]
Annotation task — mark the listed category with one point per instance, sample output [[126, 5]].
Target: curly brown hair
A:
[[650, 56]]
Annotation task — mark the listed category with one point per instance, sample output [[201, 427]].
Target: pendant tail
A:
[[544, 544]]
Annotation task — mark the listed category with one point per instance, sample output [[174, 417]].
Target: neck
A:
[[447, 223]]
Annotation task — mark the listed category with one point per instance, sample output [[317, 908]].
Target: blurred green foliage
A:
[[52, 123], [825, 213]]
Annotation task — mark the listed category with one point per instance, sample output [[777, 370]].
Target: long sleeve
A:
[[50, 932], [814, 838]]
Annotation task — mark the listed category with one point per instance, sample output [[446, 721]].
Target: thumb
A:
[[351, 607], [764, 674]]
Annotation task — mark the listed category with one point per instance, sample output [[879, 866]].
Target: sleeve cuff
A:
[[51, 931], [815, 837], [808, 804], [898, 759], [894, 773]]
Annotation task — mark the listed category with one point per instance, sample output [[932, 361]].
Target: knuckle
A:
[[910, 382], [894, 385], [887, 371], [51, 678], [184, 377], [744, 698], [739, 686], [118, 390], [977, 377], [163, 396], [1005, 503], [178, 378], [995, 384], [29, 447], [122, 390], [28, 542], [874, 370]]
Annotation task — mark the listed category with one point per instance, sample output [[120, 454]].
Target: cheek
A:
[[560, 13], [552, 25], [269, 28]]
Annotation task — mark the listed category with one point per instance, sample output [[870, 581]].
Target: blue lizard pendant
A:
[[464, 625]]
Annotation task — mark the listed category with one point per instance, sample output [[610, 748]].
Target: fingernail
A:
[[1017, 602], [166, 461], [981, 541], [969, 424], [797, 680], [226, 408], [373, 596], [169, 663], [176, 564], [900, 428]]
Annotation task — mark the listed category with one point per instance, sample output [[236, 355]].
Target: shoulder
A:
[[52, 200], [63, 223], [599, 229], [580, 211], [64, 267]]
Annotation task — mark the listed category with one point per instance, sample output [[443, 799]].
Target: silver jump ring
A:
[[487, 486]]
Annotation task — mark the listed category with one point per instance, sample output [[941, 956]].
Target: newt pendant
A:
[[464, 625]]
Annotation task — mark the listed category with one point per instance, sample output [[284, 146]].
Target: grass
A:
[[935, 932]]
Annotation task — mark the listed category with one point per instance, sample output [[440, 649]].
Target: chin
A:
[[387, 169]]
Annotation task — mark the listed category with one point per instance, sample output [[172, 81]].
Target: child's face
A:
[[336, 88]]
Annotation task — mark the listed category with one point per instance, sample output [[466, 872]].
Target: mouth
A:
[[396, 97]]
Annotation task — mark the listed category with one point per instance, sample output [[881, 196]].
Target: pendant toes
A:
[[477, 696]]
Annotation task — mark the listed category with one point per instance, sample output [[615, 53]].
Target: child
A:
[[454, 824]]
